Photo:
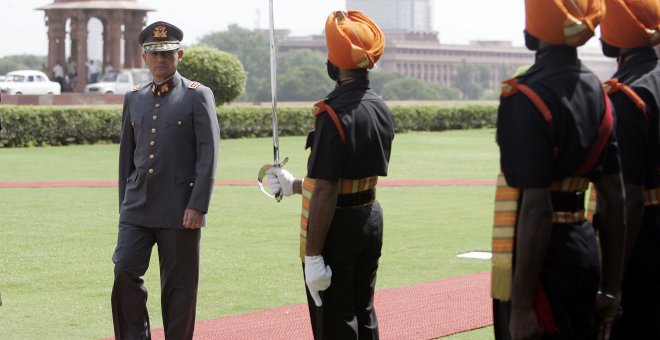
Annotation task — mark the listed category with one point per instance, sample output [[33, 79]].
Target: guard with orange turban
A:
[[554, 131], [629, 31], [341, 225]]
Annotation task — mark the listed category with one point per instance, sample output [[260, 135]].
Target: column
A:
[[56, 38], [112, 44], [79, 33], [132, 27]]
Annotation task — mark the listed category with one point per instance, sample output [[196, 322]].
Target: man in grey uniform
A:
[[167, 161]]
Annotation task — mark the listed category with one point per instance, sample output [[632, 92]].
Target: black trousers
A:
[[569, 277], [352, 249], [178, 253], [641, 284]]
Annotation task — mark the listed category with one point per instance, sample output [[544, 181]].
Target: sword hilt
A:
[[262, 174]]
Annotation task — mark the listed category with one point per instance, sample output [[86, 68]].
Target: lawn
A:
[[55, 258]]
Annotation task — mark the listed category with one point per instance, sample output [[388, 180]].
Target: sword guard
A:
[[262, 174]]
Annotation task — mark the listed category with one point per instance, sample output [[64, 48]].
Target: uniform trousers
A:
[[569, 277], [178, 253], [352, 249], [641, 284]]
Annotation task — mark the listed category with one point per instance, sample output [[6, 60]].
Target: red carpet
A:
[[423, 311], [383, 182]]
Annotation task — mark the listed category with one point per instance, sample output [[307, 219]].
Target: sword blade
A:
[[273, 87]]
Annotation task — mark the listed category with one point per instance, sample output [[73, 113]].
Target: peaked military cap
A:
[[160, 36]]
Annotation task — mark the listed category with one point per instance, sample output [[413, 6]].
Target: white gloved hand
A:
[[280, 179], [318, 277]]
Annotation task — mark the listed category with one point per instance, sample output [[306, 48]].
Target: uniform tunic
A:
[[640, 158], [168, 154], [167, 161], [533, 153], [638, 138], [354, 240]]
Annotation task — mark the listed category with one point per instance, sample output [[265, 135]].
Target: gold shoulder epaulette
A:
[[194, 85], [136, 87]]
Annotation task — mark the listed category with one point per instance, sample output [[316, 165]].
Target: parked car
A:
[[119, 81], [28, 82]]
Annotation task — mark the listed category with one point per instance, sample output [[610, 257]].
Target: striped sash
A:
[[507, 202], [652, 197], [346, 186]]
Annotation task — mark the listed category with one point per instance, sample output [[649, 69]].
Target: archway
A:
[[119, 18], [95, 49]]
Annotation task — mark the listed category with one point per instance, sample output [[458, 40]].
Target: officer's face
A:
[[162, 63]]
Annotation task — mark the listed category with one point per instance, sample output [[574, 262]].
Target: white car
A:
[[28, 82], [119, 81]]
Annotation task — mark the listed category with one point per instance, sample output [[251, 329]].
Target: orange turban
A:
[[631, 23], [563, 22], [353, 40]]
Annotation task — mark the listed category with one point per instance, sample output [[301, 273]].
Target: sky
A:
[[458, 22]]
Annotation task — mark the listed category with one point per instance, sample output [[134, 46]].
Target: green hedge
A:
[[57, 125]]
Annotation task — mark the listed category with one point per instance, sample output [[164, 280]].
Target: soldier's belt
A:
[[356, 199], [352, 193], [567, 201], [568, 207]]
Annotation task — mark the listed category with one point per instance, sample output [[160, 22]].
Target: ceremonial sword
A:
[[273, 91]]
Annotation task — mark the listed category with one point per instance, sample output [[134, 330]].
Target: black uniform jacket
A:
[[637, 133], [168, 154], [369, 129], [527, 141]]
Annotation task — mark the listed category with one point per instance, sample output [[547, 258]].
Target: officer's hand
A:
[[609, 309], [192, 219], [280, 179], [317, 277]]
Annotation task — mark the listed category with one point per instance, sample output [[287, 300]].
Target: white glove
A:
[[280, 179], [318, 277]]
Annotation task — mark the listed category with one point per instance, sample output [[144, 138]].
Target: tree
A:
[[22, 62], [304, 83], [300, 57], [301, 76], [415, 89], [220, 71], [378, 79], [465, 80], [251, 48]]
